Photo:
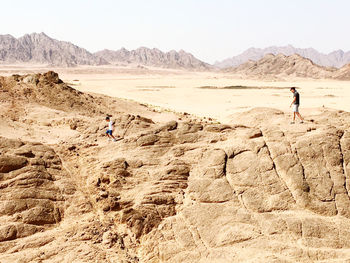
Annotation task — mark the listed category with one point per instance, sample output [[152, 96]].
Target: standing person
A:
[[296, 103], [109, 131]]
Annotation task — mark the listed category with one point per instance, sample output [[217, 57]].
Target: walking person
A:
[[109, 131], [296, 103]]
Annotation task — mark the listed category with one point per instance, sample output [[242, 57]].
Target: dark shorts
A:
[[109, 132]]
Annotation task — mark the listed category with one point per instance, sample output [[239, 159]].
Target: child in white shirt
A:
[[109, 131]]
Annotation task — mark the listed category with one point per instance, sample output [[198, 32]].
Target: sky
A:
[[211, 30]]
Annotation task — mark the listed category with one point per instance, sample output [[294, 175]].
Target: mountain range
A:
[[41, 49], [38, 48], [336, 58], [153, 57]]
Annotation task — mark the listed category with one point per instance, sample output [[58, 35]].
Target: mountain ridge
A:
[[337, 58], [39, 48], [153, 57]]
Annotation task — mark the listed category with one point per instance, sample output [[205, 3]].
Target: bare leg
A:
[[111, 136], [299, 116], [293, 116]]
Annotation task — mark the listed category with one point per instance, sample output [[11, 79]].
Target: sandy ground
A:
[[180, 91]]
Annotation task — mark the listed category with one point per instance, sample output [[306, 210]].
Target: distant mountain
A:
[[38, 48], [154, 58], [334, 59], [280, 66], [41, 49]]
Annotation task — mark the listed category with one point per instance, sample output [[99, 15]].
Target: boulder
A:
[[10, 163]]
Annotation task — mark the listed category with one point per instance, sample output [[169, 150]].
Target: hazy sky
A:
[[210, 29]]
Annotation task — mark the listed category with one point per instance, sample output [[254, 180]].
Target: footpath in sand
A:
[[176, 189]]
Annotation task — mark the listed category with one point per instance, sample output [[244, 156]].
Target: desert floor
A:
[[181, 91]]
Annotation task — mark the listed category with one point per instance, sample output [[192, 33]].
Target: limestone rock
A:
[[32, 193], [10, 163], [147, 140]]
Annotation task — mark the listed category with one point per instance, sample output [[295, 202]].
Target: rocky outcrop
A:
[[220, 192], [281, 66], [49, 90], [343, 73], [283, 185], [35, 189]]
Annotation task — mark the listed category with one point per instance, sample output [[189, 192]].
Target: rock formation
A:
[[281, 66], [343, 73], [253, 190]]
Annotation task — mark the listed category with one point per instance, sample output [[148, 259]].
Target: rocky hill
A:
[[281, 66], [336, 58], [179, 190], [343, 73], [154, 58], [41, 49]]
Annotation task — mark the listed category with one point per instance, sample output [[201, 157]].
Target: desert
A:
[[212, 94], [174, 132], [210, 175]]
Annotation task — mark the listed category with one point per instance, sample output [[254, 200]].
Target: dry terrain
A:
[[204, 94], [240, 185], [213, 94]]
